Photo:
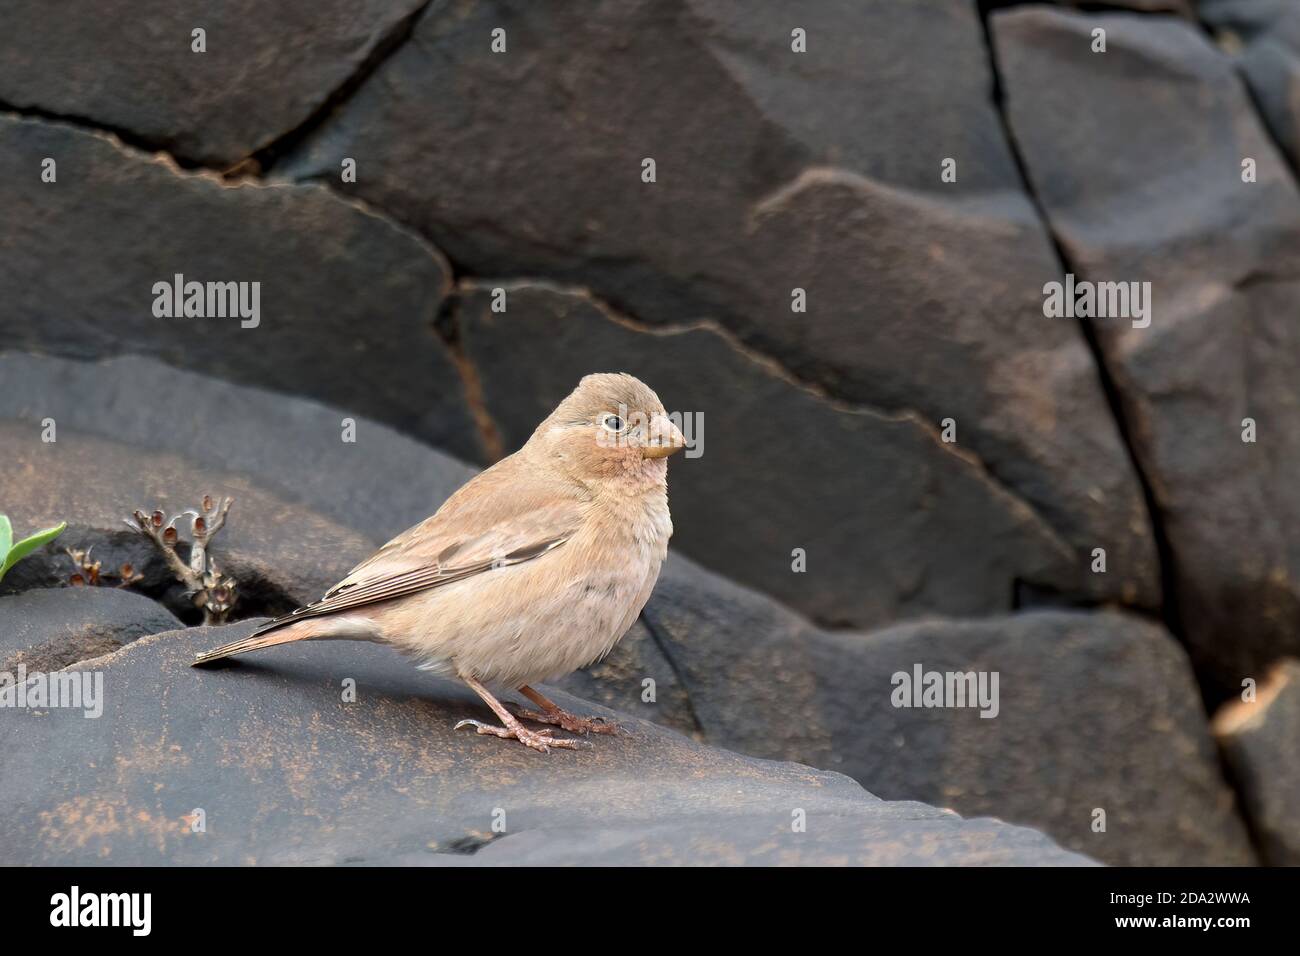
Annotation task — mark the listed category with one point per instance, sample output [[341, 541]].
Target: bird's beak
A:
[[663, 438]]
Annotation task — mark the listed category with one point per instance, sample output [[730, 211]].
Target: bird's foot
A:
[[534, 739], [571, 722]]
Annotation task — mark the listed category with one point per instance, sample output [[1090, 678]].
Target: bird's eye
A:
[[612, 423]]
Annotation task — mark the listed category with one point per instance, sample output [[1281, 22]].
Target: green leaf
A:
[[6, 537], [28, 545]]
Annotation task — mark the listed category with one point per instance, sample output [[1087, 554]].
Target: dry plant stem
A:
[[179, 568], [205, 528], [212, 592], [91, 572]]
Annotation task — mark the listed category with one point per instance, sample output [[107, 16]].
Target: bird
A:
[[532, 569]]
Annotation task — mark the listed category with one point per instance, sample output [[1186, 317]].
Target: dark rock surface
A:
[[1096, 710], [285, 772], [378, 485], [347, 299], [1137, 156], [282, 554], [922, 294], [1260, 740], [129, 65], [1265, 34], [50, 628], [779, 467], [1182, 7], [639, 678]]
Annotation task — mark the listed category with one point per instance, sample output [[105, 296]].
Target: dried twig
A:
[[209, 588], [91, 572]]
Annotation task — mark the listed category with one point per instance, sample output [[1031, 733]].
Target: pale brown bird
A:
[[534, 568]]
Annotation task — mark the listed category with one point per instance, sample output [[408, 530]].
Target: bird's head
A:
[[611, 426]]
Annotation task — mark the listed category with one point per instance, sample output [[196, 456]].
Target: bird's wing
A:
[[500, 518]]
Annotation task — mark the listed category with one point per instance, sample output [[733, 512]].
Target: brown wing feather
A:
[[502, 516]]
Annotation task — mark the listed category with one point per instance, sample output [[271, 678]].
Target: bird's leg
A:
[[536, 739], [552, 713]]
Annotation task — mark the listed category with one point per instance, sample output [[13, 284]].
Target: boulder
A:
[[777, 174], [131, 65], [346, 299], [48, 629], [1156, 194], [1181, 7], [1265, 36], [1260, 739], [1095, 711], [266, 761]]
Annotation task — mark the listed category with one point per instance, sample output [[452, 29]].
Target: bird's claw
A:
[[534, 739], [571, 722]]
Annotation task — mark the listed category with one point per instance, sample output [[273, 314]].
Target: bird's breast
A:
[[552, 615]]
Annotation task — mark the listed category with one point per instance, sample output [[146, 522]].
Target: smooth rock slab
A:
[[933, 306], [1260, 740], [50, 628], [1137, 157], [1182, 7], [1095, 710], [347, 299], [1267, 35], [379, 484], [129, 65], [285, 772]]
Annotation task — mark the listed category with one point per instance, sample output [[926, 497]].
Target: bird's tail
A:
[[268, 636]]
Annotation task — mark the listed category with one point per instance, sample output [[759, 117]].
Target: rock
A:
[[48, 629], [346, 299], [1246, 16], [637, 678], [285, 772], [1026, 402], [379, 484], [131, 66], [282, 554], [1268, 37], [1181, 7], [818, 172], [1259, 741], [1137, 194], [895, 521], [1095, 710]]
